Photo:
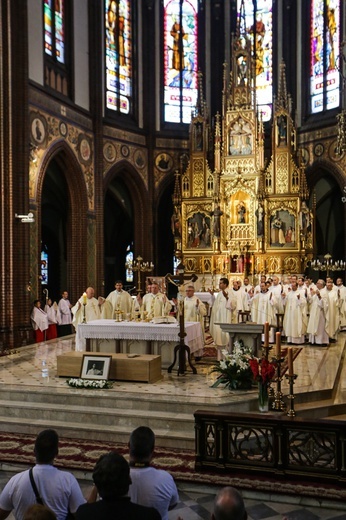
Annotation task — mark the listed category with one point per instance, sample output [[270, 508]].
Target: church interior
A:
[[138, 136]]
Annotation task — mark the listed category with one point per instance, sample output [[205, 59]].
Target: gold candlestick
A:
[[278, 404], [291, 378]]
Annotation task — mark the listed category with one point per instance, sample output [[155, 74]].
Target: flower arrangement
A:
[[89, 383], [234, 369], [262, 370]]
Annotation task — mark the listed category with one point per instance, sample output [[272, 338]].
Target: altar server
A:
[[39, 321], [54, 318]]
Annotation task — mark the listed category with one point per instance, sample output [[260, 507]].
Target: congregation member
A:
[[89, 306], [53, 315], [59, 490], [39, 322], [155, 304], [333, 314], [149, 487], [111, 477], [65, 306], [295, 319], [229, 505], [117, 300], [318, 311], [39, 512], [220, 313]]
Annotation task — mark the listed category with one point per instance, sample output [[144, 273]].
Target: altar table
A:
[[140, 338]]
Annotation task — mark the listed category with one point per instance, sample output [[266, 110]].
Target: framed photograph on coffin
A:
[[95, 367]]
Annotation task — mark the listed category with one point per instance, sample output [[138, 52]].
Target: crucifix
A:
[[182, 350]]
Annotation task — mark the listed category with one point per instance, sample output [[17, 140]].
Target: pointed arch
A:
[[326, 184], [77, 218], [123, 176]]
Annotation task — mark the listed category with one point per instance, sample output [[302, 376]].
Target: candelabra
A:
[[140, 267], [328, 265]]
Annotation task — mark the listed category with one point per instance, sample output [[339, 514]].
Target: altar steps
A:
[[102, 415]]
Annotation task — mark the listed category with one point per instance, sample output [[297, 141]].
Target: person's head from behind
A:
[[46, 446], [141, 444], [39, 512], [229, 505], [111, 476]]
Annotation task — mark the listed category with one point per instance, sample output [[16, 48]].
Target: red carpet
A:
[[82, 455]]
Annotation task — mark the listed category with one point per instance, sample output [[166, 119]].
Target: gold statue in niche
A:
[[240, 208]]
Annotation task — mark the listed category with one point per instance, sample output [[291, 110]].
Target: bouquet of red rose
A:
[[262, 369]]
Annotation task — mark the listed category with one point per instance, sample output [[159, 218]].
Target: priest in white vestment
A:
[[276, 291], [295, 319], [318, 300], [117, 300], [335, 303], [155, 304], [92, 312], [220, 313], [262, 310], [238, 301], [194, 310]]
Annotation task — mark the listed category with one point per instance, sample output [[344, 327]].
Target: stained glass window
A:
[[44, 268], [259, 26], [54, 36], [118, 38], [324, 42], [128, 265], [180, 59]]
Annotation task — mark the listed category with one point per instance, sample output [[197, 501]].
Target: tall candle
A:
[[278, 345], [84, 298], [290, 361], [266, 334]]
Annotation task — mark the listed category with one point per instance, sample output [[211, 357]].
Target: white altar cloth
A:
[[156, 336]]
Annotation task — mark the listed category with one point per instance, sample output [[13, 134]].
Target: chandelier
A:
[[328, 265], [341, 118]]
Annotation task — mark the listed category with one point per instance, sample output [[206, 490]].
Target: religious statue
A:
[[282, 129], [216, 214], [241, 210], [176, 223], [304, 219], [260, 219]]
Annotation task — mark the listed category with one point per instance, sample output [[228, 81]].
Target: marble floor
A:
[[317, 368]]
